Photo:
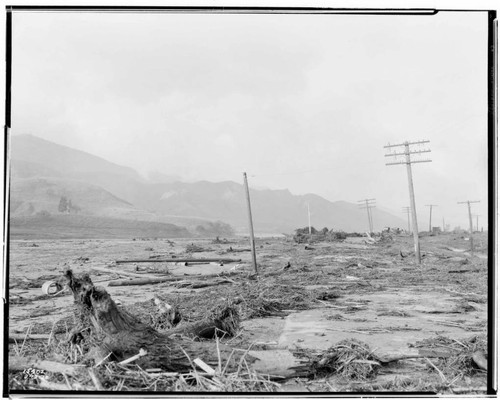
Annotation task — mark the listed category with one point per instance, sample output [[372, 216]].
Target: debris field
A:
[[335, 313]]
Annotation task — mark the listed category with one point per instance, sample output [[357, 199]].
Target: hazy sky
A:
[[304, 102]]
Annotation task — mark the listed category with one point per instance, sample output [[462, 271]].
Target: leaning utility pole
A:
[[368, 204], [468, 202], [408, 161], [309, 219], [406, 210], [252, 240], [371, 218], [430, 216]]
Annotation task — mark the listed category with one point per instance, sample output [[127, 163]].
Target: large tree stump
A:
[[118, 335], [121, 335]]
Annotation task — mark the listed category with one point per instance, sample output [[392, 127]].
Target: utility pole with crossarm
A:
[[430, 215], [408, 161], [369, 203], [468, 202]]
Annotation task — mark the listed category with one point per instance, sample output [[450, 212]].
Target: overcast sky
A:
[[304, 102]]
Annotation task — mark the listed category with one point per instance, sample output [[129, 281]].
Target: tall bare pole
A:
[[369, 203], [309, 218], [408, 161], [250, 223], [444, 229], [430, 215], [471, 228], [371, 219], [406, 210], [477, 221]]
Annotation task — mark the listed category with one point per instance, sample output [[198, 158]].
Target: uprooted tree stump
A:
[[117, 334]]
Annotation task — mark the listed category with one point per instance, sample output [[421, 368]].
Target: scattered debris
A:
[[193, 248], [166, 317], [223, 320], [351, 359]]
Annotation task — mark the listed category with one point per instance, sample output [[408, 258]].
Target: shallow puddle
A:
[[392, 322]]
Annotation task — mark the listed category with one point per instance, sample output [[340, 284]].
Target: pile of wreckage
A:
[[311, 235]]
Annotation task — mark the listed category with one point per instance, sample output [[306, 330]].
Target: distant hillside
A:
[[42, 172], [62, 160], [32, 156], [272, 210], [31, 195]]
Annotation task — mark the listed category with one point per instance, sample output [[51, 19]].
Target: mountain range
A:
[[50, 182]]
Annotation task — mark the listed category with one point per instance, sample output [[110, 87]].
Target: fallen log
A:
[[175, 260], [462, 271], [121, 272], [201, 284], [153, 280], [19, 337], [144, 281]]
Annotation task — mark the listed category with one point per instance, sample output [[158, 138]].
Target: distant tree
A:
[[63, 204]]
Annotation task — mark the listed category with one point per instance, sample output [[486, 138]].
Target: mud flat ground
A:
[[430, 320]]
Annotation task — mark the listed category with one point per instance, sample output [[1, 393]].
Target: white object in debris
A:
[[142, 353], [51, 288], [163, 307], [209, 370]]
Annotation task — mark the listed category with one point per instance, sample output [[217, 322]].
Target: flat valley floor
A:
[[431, 319]]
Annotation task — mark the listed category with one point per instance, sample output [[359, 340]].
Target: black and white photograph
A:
[[230, 200]]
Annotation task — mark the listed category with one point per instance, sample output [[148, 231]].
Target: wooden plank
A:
[[176, 260], [20, 337], [144, 281], [121, 272]]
